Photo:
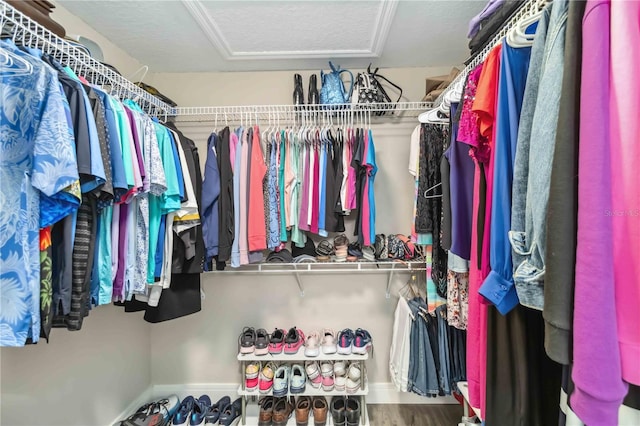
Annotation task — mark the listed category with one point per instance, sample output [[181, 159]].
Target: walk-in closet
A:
[[269, 213]]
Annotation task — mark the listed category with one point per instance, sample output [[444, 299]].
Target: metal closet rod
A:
[[32, 34], [526, 9], [299, 112]]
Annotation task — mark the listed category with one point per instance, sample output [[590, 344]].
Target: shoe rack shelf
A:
[[300, 358], [298, 269]]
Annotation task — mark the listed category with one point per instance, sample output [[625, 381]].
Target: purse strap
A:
[[376, 75], [351, 86]]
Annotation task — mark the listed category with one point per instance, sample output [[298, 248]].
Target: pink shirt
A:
[[351, 179], [257, 235], [244, 212], [233, 143]]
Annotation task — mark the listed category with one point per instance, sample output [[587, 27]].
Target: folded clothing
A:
[[282, 256]]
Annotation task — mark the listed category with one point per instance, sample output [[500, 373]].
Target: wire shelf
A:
[[325, 267], [30, 33], [291, 113]]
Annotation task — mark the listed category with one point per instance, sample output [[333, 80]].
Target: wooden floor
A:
[[414, 414]]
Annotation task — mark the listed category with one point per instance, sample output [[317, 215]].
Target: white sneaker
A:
[[326, 368], [340, 383], [352, 385], [329, 341], [311, 348], [354, 371], [339, 368]]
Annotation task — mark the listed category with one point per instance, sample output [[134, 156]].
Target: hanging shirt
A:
[[237, 167], [272, 183], [315, 206], [210, 195], [244, 181], [304, 189], [282, 186], [36, 160], [257, 227], [322, 200], [372, 170]]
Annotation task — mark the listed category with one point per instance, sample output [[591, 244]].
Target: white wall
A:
[[270, 88], [82, 378]]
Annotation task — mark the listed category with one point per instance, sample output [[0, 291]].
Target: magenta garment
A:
[[304, 200], [625, 164], [597, 373], [351, 179], [244, 208], [315, 208]]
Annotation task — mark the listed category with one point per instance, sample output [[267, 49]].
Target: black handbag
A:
[[369, 89]]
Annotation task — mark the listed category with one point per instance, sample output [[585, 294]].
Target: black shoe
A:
[[298, 93], [314, 97], [353, 411], [339, 410]]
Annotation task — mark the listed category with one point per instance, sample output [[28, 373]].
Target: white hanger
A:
[[13, 64]]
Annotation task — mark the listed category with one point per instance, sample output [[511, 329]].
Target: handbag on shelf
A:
[[369, 90], [333, 91]]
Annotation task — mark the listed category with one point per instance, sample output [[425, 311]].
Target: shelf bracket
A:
[[299, 280], [391, 271]]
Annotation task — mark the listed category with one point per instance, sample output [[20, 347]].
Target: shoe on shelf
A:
[[327, 383], [362, 342], [276, 341], [281, 381], [282, 410], [353, 411], [329, 341], [354, 372], [157, 412], [293, 341], [252, 370], [247, 340], [199, 411], [340, 383], [262, 342], [352, 385], [326, 368], [312, 369], [320, 408], [311, 346], [251, 384], [298, 379], [340, 368], [303, 407], [314, 97], [345, 341], [213, 415], [182, 414], [230, 415], [339, 410], [298, 93], [265, 378], [266, 411]]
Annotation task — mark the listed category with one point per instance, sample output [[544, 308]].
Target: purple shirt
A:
[[489, 9]]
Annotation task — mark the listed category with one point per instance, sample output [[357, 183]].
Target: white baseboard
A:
[[379, 393]]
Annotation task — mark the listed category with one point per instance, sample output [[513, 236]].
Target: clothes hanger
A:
[[14, 65]]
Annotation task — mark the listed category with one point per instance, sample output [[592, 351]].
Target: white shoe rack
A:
[[251, 418]]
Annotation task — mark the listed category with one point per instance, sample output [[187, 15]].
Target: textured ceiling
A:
[[196, 36]]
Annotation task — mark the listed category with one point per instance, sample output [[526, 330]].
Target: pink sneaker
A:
[[266, 377], [311, 346], [251, 384], [276, 341], [293, 341], [327, 383]]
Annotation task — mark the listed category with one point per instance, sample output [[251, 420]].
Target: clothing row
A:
[[93, 191], [427, 355], [264, 189], [524, 128]]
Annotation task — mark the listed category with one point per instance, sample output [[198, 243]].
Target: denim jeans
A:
[[423, 378], [534, 157], [443, 349]]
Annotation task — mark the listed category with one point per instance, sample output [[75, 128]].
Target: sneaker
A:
[[265, 379], [316, 382], [354, 371], [339, 410], [252, 370], [362, 342], [199, 411], [312, 369], [293, 341], [303, 407], [262, 342], [340, 368], [320, 408], [251, 384], [231, 413], [352, 385], [281, 381], [276, 341], [340, 383], [353, 411], [298, 379], [345, 340], [213, 415], [182, 414], [329, 341], [326, 368], [327, 383], [311, 348], [247, 340]]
